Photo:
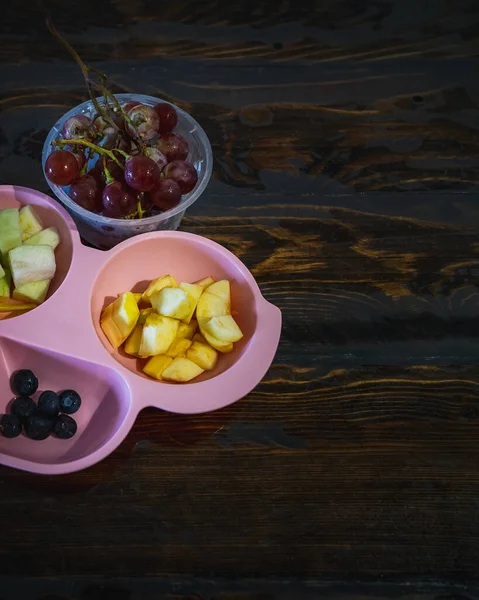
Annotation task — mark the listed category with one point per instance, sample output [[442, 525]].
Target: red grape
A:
[[129, 105], [168, 117], [157, 157], [86, 192], [166, 194], [61, 167], [141, 173], [173, 145], [78, 126], [119, 200], [79, 154], [184, 173], [145, 120]]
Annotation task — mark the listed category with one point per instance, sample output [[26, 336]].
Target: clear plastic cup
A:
[[105, 232]]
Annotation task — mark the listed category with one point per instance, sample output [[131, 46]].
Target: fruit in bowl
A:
[[125, 164], [27, 258], [165, 330]]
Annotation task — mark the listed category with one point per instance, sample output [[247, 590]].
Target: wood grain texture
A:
[[345, 137]]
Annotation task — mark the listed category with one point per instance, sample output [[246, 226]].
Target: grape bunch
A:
[[124, 160]]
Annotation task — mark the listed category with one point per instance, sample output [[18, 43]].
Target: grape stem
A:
[[81, 142], [122, 152], [108, 177], [85, 70]]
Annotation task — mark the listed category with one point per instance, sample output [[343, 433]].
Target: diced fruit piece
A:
[[187, 330], [10, 233], [133, 343], [14, 305], [156, 365], [182, 370], [5, 282], [2, 273], [223, 347], [158, 284], [203, 355], [119, 318], [46, 237], [199, 338], [205, 282], [109, 327], [210, 306], [137, 297], [158, 334], [144, 314], [222, 289], [223, 328], [125, 313], [178, 347], [35, 291], [31, 263], [70, 402], [193, 292], [30, 222], [171, 302]]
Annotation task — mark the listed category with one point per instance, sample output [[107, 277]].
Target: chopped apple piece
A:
[[223, 328], [181, 370], [31, 263], [187, 330], [137, 297], [5, 282], [193, 292], [223, 347], [210, 306], [178, 347], [119, 318], [144, 314], [30, 222], [158, 284], [156, 365], [10, 233], [222, 289], [205, 282], [133, 342], [125, 313], [35, 291], [158, 334], [199, 338], [109, 327], [171, 302], [203, 355], [46, 237]]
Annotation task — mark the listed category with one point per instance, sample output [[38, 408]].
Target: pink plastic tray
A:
[[61, 340]]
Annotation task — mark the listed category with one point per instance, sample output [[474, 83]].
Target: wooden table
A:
[[345, 137]]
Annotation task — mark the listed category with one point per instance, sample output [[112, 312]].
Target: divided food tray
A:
[[62, 342]]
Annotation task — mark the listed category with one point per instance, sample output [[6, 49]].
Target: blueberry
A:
[[64, 427], [23, 407], [10, 426], [38, 428], [48, 404], [24, 382], [70, 402]]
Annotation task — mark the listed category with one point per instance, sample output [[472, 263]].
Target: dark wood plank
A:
[[356, 457], [188, 588]]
